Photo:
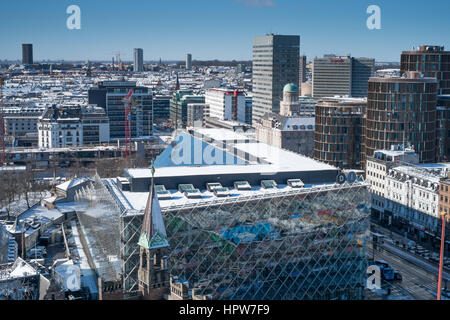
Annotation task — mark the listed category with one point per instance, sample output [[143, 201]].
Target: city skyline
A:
[[166, 31]]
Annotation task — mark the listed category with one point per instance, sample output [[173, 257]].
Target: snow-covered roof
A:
[[73, 183]]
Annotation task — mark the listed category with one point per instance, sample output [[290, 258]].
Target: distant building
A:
[[110, 95], [338, 131], [249, 109], [188, 61], [227, 104], [21, 120], [161, 108], [178, 106], [61, 127], [290, 133], [95, 125], [275, 63], [292, 129], [196, 114], [432, 61], [138, 60], [306, 89], [292, 105], [402, 111], [302, 71], [341, 76], [27, 54]]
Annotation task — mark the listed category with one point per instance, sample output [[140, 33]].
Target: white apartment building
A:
[[412, 196], [227, 104], [72, 127], [405, 194], [377, 169]]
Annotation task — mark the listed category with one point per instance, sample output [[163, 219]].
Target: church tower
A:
[[154, 281]]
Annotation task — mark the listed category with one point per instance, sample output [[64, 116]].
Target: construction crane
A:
[[127, 103], [441, 256], [2, 127]]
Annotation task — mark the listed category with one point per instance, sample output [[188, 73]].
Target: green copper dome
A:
[[290, 87]]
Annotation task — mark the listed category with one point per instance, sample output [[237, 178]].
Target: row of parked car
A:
[[413, 248]]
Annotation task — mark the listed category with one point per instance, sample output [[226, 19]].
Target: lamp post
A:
[[441, 260]]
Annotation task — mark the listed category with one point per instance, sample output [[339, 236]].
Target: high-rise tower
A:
[[432, 61], [138, 60], [27, 54], [275, 63]]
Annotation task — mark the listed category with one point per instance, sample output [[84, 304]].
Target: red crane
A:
[[2, 127], [127, 103], [441, 260]]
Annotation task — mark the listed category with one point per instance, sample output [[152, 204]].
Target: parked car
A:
[[397, 275]]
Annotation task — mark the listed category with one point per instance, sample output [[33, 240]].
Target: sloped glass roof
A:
[[187, 150]]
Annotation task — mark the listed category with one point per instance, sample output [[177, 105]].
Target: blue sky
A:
[[218, 29]]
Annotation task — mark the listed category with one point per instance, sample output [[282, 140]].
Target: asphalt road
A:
[[416, 282]]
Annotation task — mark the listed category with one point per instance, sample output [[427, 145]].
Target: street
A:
[[419, 276]]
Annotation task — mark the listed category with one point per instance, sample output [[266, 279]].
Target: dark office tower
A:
[[341, 76], [27, 54], [302, 70], [110, 96], [337, 136], [443, 128], [402, 111], [138, 63], [432, 61], [275, 63], [188, 61]]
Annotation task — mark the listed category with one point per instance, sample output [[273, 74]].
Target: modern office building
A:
[[402, 111], [95, 125], [161, 108], [227, 104], [178, 106], [275, 63], [341, 76], [138, 65], [302, 71], [443, 128], [254, 223], [196, 114], [248, 108], [110, 95], [188, 61], [338, 131], [432, 61], [27, 54]]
